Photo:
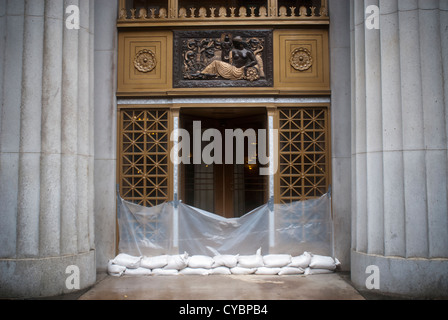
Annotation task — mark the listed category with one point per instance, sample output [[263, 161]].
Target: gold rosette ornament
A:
[[145, 60], [301, 59], [252, 74]]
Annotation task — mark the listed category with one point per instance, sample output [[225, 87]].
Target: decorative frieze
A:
[[234, 58], [269, 11]]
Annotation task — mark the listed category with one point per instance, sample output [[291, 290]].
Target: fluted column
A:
[[51, 131], [434, 124], [374, 140], [12, 32], [392, 144], [400, 146], [46, 153]]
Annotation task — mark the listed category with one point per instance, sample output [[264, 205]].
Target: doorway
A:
[[228, 189]]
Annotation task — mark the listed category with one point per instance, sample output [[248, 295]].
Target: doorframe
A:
[[174, 111], [224, 173], [272, 109]]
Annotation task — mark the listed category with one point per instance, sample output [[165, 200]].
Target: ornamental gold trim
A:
[[175, 12], [301, 59]]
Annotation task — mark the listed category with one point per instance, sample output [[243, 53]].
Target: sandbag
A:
[[114, 269], [199, 261], [229, 261], [323, 262], [251, 261], [267, 271], [165, 272], [302, 261], [194, 272], [220, 271], [177, 262], [290, 271], [311, 271], [127, 261], [242, 271], [154, 262], [138, 272], [276, 260]]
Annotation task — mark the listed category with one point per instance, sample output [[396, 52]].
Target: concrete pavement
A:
[[231, 287]]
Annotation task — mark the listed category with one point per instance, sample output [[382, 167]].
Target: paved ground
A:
[[232, 287]]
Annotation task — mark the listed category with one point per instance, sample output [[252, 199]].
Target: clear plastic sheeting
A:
[[143, 230], [204, 233], [175, 228], [304, 226]]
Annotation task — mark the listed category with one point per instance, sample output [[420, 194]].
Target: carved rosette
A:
[[252, 74], [301, 59], [145, 61]]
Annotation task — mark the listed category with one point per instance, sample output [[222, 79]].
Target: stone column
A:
[[46, 158], [400, 221]]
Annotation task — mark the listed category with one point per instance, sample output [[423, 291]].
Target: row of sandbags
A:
[[183, 264]]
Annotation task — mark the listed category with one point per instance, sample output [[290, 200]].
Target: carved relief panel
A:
[[223, 58], [175, 62]]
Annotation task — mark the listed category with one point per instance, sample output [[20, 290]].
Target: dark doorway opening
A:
[[229, 190]]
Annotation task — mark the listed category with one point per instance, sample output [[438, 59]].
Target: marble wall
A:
[[105, 139], [340, 73]]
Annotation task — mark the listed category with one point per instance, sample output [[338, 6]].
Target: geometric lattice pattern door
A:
[[304, 149], [144, 156]]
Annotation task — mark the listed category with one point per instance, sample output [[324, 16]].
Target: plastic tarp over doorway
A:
[[173, 228]]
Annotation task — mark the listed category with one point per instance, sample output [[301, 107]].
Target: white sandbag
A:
[[267, 271], [138, 272], [165, 272], [127, 261], [177, 262], [311, 271], [251, 261], [243, 271], [154, 262], [323, 262], [302, 261], [276, 260], [114, 269], [194, 272], [229, 261], [199, 261], [290, 271], [220, 271]]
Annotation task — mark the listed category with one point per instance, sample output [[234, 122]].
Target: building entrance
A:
[[227, 188]]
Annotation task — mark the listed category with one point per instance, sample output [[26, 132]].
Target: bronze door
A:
[[227, 189]]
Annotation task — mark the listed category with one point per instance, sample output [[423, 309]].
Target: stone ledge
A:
[[44, 277], [413, 277]]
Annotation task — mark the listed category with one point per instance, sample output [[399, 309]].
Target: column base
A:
[[44, 277], [416, 277]]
